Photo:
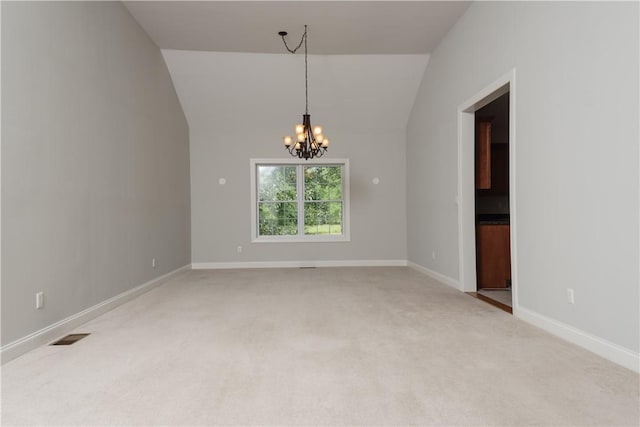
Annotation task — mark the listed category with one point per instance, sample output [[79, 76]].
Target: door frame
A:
[[466, 182]]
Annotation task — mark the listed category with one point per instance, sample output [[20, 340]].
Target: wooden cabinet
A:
[[493, 257], [483, 155], [492, 161], [499, 169]]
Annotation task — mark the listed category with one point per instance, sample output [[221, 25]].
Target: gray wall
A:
[[95, 161], [576, 157], [240, 105]]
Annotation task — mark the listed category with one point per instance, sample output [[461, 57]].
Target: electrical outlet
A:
[[39, 300], [570, 296], [239, 249], [153, 262]]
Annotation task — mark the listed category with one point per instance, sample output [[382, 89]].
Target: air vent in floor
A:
[[69, 339]]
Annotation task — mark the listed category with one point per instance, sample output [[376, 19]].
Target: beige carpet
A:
[[347, 346]]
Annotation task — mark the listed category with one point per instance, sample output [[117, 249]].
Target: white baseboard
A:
[[603, 348], [45, 335], [435, 275], [298, 264]]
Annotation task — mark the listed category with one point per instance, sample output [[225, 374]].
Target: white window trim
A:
[[346, 213]]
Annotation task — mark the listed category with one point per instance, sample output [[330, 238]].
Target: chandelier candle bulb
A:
[[325, 143], [287, 140], [299, 129], [319, 138], [317, 130]]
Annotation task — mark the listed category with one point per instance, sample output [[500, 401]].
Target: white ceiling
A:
[[335, 27]]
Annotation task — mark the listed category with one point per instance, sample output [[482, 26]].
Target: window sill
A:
[[295, 239]]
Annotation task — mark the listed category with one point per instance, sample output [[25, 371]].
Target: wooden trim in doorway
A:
[[494, 303]]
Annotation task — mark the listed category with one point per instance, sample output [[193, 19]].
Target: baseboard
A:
[[298, 264], [45, 335], [603, 348], [435, 275]]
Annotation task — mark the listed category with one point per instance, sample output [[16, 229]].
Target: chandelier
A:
[[309, 141]]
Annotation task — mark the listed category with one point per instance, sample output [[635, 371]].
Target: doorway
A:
[[499, 206], [493, 249]]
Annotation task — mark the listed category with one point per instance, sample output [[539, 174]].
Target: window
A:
[[295, 202]]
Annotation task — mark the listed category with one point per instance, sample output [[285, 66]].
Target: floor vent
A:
[[69, 339]]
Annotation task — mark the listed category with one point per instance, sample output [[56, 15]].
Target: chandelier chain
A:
[[306, 77], [304, 36]]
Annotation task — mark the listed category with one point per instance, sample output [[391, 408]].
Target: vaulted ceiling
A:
[[335, 27]]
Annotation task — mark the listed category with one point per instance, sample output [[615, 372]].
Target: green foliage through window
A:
[[279, 200]]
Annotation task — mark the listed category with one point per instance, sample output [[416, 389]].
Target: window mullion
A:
[[300, 188]]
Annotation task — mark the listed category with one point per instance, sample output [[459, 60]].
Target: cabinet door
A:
[[483, 155], [493, 257], [500, 169]]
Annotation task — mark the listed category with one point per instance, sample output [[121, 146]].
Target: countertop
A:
[[492, 219]]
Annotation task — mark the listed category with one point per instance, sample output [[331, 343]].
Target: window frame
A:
[[304, 238]]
